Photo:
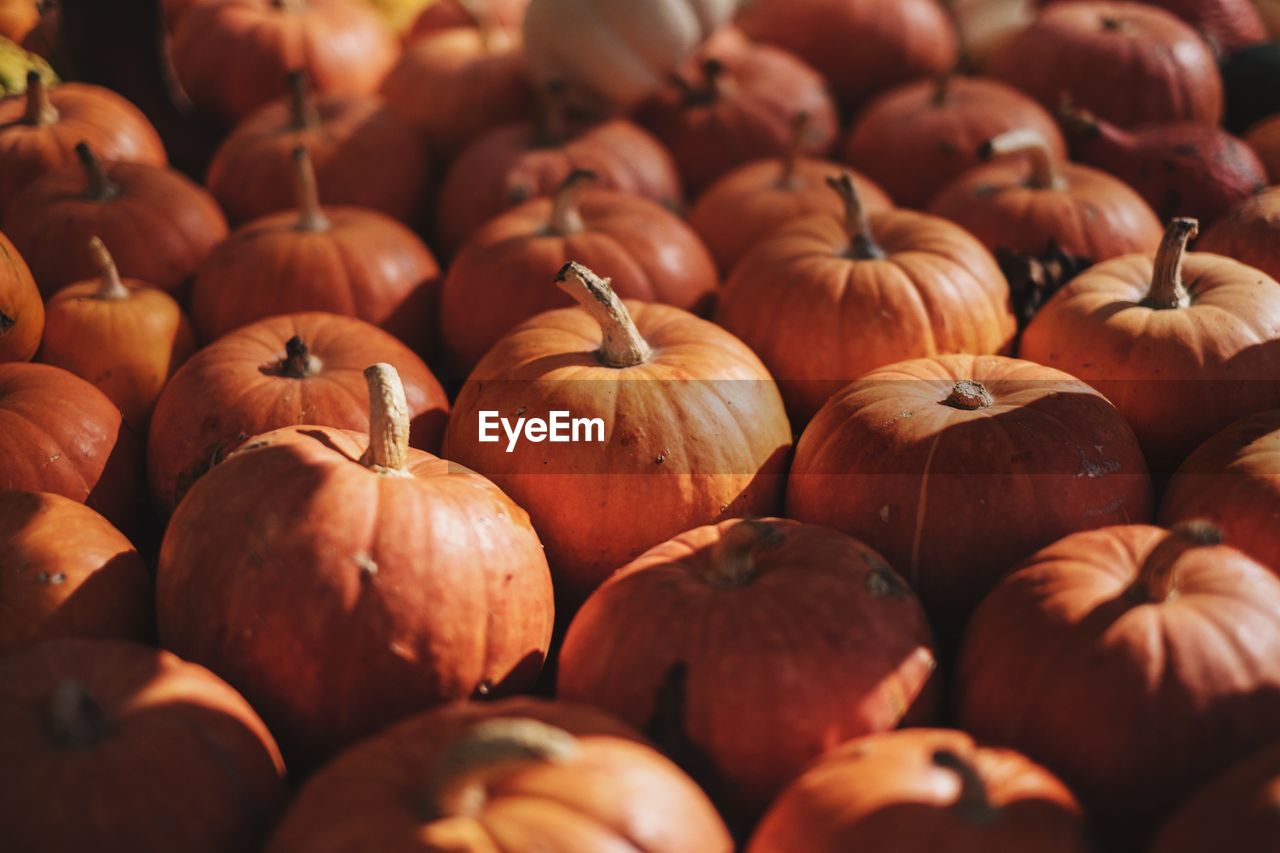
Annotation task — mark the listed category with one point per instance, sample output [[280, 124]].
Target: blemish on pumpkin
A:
[[1096, 469], [884, 513], [1107, 509], [883, 582], [6, 323], [366, 564], [662, 457], [54, 579], [484, 688]]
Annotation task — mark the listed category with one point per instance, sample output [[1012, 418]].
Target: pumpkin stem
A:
[[73, 717], [457, 784], [800, 126], [40, 111], [566, 216], [1044, 171], [307, 193], [491, 35], [942, 87], [974, 802], [302, 106], [862, 246], [1113, 24], [290, 5], [99, 186], [552, 126], [6, 323], [733, 558], [388, 451], [621, 344], [1077, 121], [1167, 289], [111, 288], [298, 362], [1157, 579], [969, 395]]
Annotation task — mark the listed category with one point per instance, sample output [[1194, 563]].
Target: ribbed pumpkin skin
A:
[[1237, 811], [1249, 233], [21, 308]]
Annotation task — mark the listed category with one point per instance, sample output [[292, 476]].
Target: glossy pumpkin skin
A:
[[232, 57], [937, 290], [1233, 480], [1228, 25], [1249, 233], [885, 792], [916, 138], [855, 658], [1239, 810], [240, 386], [517, 162], [1264, 139], [954, 497], [419, 589], [610, 790], [1084, 48], [213, 775], [504, 273], [63, 435], [67, 573], [1099, 664], [21, 308], [896, 40]]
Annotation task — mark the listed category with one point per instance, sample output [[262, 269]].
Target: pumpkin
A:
[[856, 656], [916, 138], [67, 573], [737, 103], [695, 427], [422, 582], [1264, 139], [363, 153], [904, 791], [499, 279], [617, 51], [956, 467], [519, 774], [1228, 25], [456, 84], [984, 24], [1233, 480], [446, 14], [750, 202], [1083, 49], [827, 298], [21, 309], [61, 434], [38, 133], [232, 57], [1074, 657], [347, 260], [863, 47], [127, 338], [158, 224], [1182, 343], [1238, 810], [282, 371], [513, 163], [17, 18], [202, 773], [1248, 233]]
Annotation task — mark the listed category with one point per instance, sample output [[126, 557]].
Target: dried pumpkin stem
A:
[[40, 111], [566, 215], [457, 784], [801, 125], [307, 193], [969, 395], [621, 344], [111, 287], [733, 558], [73, 717], [98, 187], [1158, 577], [388, 451], [302, 106], [974, 802], [1031, 144], [1167, 289], [298, 361], [862, 246]]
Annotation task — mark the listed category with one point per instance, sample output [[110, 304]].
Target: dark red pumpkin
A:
[[1249, 233], [1237, 811], [21, 308], [1228, 25]]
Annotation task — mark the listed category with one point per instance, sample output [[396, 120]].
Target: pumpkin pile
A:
[[787, 426]]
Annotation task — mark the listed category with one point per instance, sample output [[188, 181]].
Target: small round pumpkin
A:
[[1249, 233], [158, 224], [499, 279], [21, 308], [1182, 343], [667, 388], [38, 133], [826, 299], [169, 756], [1237, 811], [684, 638], [447, 14], [124, 336], [17, 18], [279, 372], [1264, 139], [347, 260], [363, 153], [956, 467], [905, 791], [916, 138]]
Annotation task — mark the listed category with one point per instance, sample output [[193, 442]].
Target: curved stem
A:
[[733, 558], [942, 88], [974, 802], [98, 187], [1157, 578], [1167, 289], [40, 111], [73, 717], [111, 288], [302, 106], [1032, 144], [388, 451], [566, 217], [969, 395], [298, 361], [310, 214], [800, 127], [862, 246], [621, 344]]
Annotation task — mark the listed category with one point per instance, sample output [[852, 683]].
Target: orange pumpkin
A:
[[826, 299], [668, 389], [419, 582], [499, 279], [446, 14], [71, 710], [1249, 233], [1183, 344], [1237, 811], [21, 309], [158, 224], [363, 153], [1264, 139], [483, 776], [278, 372], [17, 18], [681, 640], [347, 260]]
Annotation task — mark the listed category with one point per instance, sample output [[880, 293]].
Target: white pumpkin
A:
[[618, 51], [985, 23]]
